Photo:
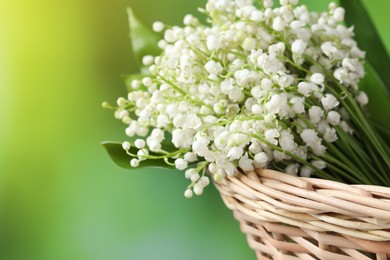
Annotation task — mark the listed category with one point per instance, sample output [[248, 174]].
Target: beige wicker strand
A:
[[288, 217]]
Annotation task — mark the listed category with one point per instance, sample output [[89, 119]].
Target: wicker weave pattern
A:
[[286, 217]]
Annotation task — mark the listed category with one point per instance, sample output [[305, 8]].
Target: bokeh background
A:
[[60, 196]]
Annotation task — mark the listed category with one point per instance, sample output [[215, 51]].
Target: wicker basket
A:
[[287, 217]]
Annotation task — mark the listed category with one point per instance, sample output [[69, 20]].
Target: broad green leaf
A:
[[368, 39], [121, 159], [143, 40], [379, 103], [384, 132]]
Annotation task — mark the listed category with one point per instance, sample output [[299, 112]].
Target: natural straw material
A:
[[287, 217]]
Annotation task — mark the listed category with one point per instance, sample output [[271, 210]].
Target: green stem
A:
[[319, 172], [173, 85]]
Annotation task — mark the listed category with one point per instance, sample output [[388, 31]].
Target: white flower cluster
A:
[[256, 87]]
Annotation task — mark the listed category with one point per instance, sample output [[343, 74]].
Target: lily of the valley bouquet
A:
[[259, 85]]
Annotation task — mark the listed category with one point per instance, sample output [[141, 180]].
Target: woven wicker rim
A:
[[348, 216]]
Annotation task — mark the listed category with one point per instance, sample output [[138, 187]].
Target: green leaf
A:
[[143, 40], [379, 103], [121, 159], [368, 38], [383, 131]]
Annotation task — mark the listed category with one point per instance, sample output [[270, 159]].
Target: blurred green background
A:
[[60, 195]]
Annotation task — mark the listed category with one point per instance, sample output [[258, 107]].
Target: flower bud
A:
[[188, 193], [333, 117], [126, 146], [362, 98], [198, 190], [158, 26], [134, 162], [139, 143], [317, 78], [181, 164], [298, 47]]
